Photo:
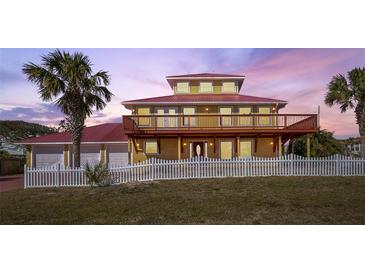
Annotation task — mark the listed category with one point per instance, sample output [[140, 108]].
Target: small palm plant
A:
[[97, 174]]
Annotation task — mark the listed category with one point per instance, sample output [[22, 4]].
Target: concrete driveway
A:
[[11, 182]]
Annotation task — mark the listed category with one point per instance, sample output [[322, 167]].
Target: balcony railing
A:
[[219, 122]]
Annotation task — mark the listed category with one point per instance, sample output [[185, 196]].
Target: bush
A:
[[98, 174]]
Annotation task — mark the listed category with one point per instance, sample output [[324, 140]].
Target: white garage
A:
[[89, 154], [117, 154], [47, 155], [104, 143]]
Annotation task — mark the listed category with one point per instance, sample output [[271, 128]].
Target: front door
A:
[[198, 149]]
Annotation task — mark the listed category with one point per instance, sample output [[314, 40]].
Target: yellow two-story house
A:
[[206, 116]]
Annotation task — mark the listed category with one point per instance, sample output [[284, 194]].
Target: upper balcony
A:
[[220, 124]]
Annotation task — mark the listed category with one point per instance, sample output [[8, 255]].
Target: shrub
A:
[[98, 174]]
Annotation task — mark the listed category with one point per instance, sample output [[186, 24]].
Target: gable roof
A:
[[203, 99], [220, 76], [104, 133]]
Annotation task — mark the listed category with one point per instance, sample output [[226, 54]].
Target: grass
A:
[[261, 200]]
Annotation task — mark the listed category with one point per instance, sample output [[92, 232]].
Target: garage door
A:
[[89, 154], [47, 155], [118, 154]]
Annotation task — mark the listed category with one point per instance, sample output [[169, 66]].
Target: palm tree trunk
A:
[[360, 119]]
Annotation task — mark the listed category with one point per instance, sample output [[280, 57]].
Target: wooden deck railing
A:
[[219, 122]]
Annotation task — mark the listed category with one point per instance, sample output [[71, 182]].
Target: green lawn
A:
[[261, 200]]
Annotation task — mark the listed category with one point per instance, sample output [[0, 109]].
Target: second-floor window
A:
[[182, 87], [206, 87], [228, 87]]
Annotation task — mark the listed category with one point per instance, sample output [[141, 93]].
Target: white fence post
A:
[[25, 176]]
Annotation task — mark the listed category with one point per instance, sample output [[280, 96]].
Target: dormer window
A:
[[229, 87], [182, 87], [206, 87]]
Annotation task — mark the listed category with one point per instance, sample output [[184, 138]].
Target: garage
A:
[[47, 155], [89, 154], [117, 154]]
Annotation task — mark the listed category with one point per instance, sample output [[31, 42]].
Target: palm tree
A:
[[350, 93], [68, 81]]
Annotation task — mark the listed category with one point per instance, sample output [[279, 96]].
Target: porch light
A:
[[137, 145], [206, 109], [184, 144], [274, 108], [211, 144], [271, 143]]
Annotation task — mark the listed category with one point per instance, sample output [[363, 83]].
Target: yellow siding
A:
[[194, 87], [265, 148], [28, 155], [168, 150], [103, 153], [65, 155]]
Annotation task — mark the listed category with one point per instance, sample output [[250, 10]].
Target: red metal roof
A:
[[204, 75], [203, 99], [110, 132]]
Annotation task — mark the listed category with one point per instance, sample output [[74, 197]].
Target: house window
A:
[[226, 149], [225, 121], [143, 121], [150, 147], [189, 120], [229, 87], [245, 148], [245, 120], [206, 87], [182, 87], [264, 120]]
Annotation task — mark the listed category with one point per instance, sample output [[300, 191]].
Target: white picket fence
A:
[[157, 169]]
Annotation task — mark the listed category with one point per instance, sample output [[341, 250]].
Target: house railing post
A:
[[337, 165]]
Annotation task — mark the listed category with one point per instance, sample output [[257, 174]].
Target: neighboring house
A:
[[105, 143], [206, 116], [352, 146]]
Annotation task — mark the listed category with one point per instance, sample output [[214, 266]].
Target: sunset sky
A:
[[299, 76]]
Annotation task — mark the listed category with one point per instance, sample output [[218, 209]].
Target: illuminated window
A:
[[229, 87], [151, 147], [206, 87], [189, 120], [225, 120], [245, 120], [143, 121], [182, 87], [226, 149], [245, 148], [264, 120]]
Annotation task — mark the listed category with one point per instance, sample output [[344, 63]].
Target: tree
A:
[[68, 81], [350, 93], [322, 144]]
